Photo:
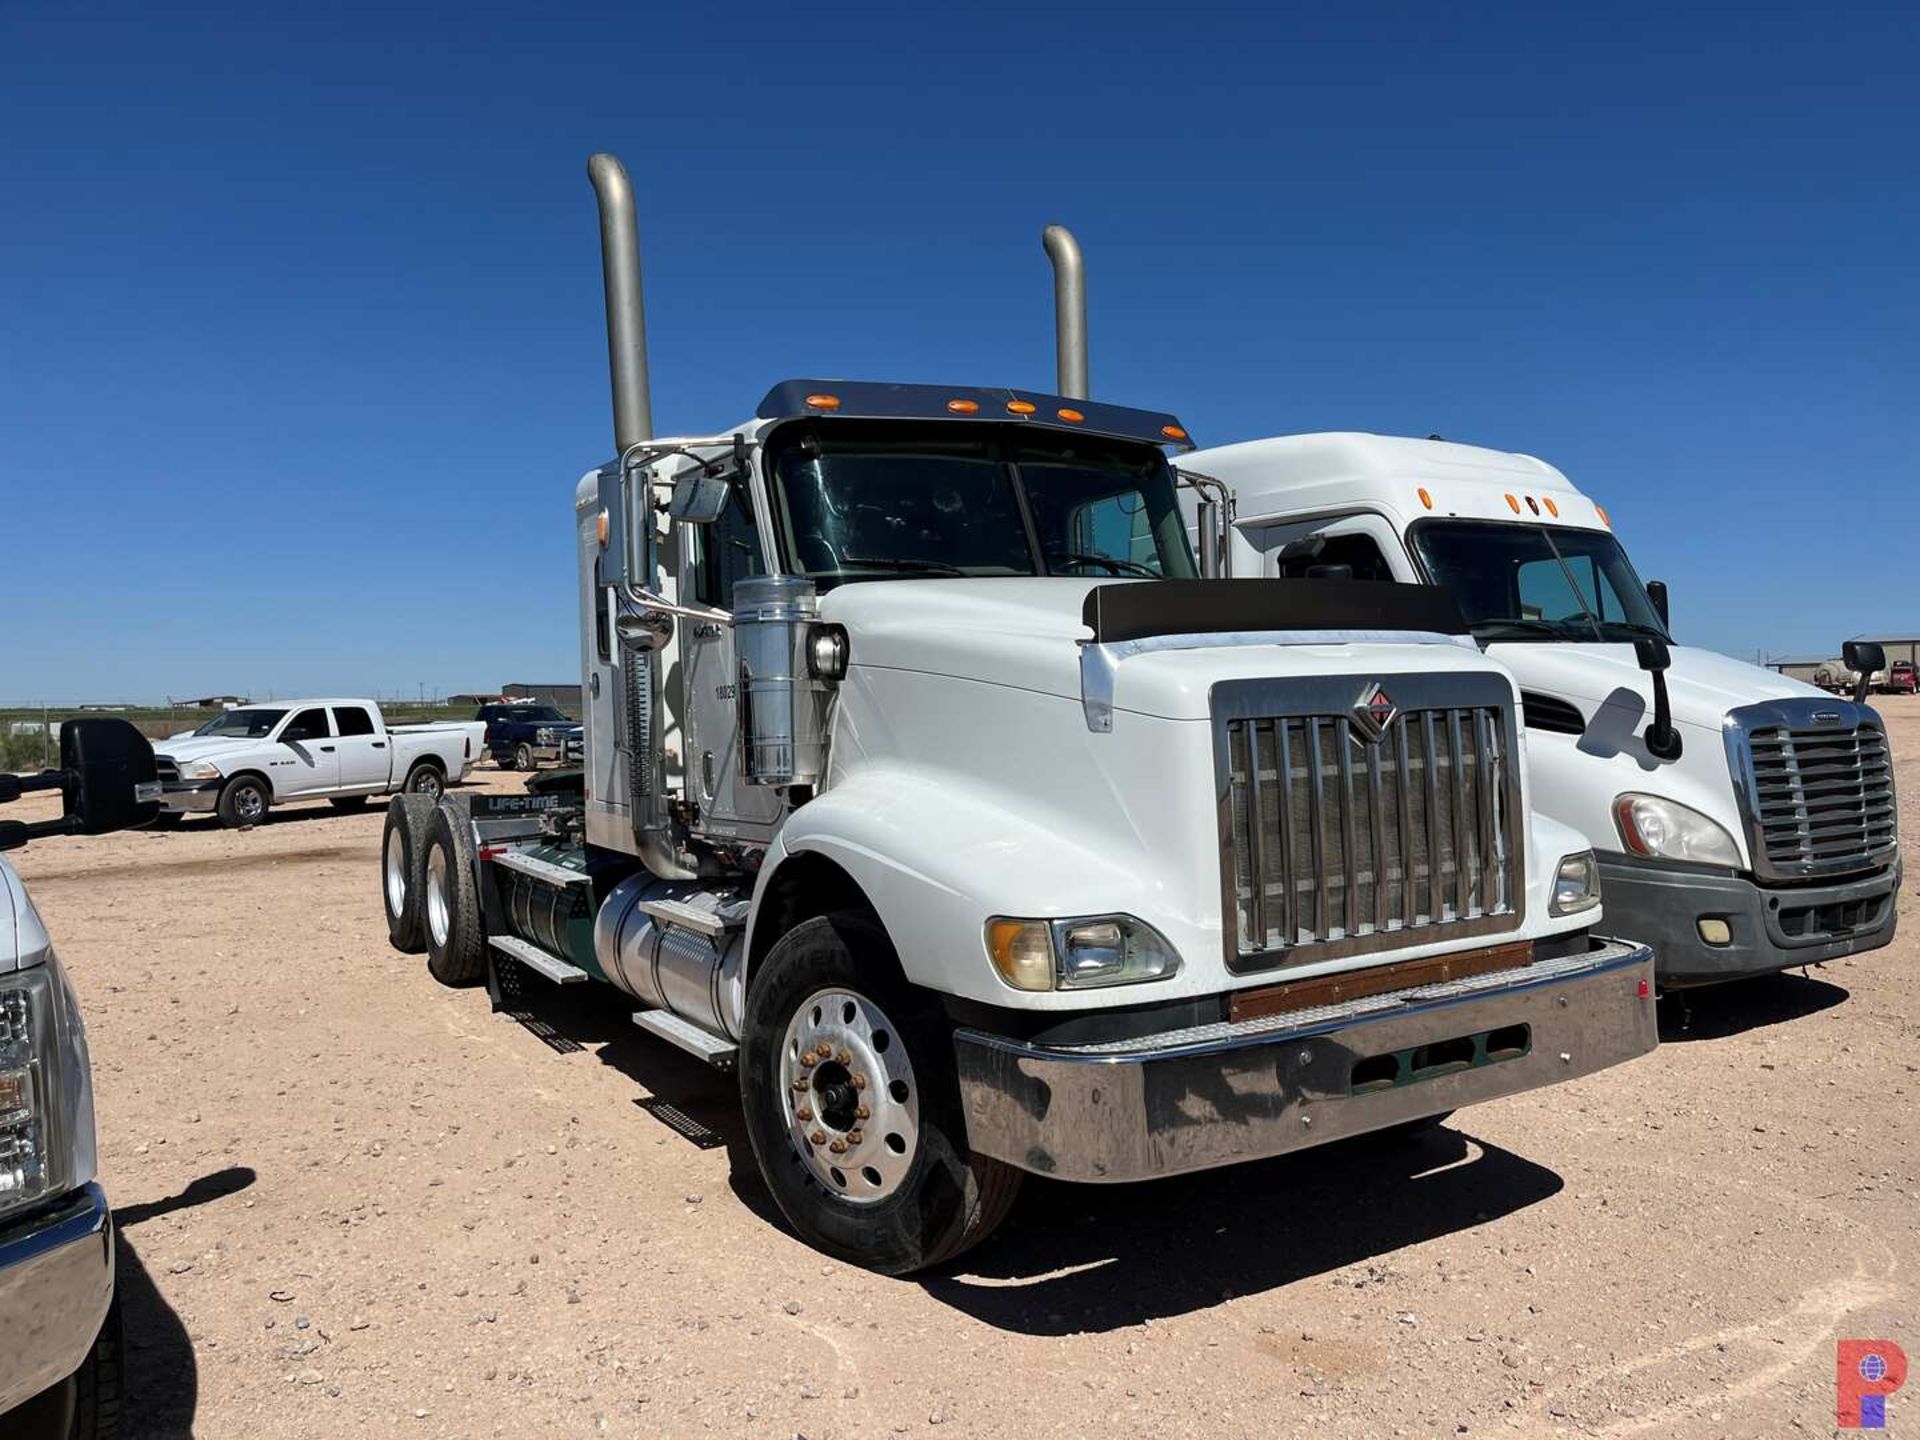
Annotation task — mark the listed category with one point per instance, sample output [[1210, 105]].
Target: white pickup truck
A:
[[240, 764]]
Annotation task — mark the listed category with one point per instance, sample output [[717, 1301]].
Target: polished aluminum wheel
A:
[[852, 1101], [250, 802], [439, 903], [395, 872], [426, 781]]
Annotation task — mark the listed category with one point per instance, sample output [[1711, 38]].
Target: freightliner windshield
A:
[[889, 502], [1537, 582]]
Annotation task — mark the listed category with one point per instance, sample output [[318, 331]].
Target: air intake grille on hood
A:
[[1550, 713]]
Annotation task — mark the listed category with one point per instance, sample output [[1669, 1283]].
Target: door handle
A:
[[379, 744], [327, 748]]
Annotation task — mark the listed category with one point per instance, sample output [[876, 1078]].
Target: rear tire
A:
[[523, 756], [403, 858], [450, 904], [244, 802], [347, 804], [505, 759], [898, 1217], [426, 779]]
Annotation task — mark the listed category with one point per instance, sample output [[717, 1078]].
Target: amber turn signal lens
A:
[[1021, 407], [1173, 432], [1552, 509], [824, 402], [1072, 417], [1022, 951], [963, 407], [1425, 498], [600, 529], [1513, 504]]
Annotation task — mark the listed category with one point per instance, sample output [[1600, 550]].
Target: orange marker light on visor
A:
[[1601, 511], [1552, 509], [1072, 417], [824, 402], [1021, 407], [963, 407], [1173, 432], [1513, 504]]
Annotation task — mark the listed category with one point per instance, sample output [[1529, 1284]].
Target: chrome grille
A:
[[165, 770], [1818, 780], [1335, 844]]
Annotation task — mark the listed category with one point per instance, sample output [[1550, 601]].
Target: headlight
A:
[[199, 770], [1576, 885], [1666, 830], [1079, 954], [543, 737], [34, 1155]]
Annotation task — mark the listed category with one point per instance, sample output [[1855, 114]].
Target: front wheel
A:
[[523, 756], [853, 1108], [243, 802]]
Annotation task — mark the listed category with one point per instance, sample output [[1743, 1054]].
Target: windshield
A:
[[251, 724], [1537, 582], [879, 503]]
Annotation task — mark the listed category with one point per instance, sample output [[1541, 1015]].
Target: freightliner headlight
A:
[[35, 1154], [1666, 830], [1078, 954], [199, 770], [1576, 885]]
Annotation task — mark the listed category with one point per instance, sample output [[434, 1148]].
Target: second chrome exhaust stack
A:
[[1069, 310]]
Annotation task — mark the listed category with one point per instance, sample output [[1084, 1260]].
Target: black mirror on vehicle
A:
[[1663, 741], [1863, 657], [1299, 551], [110, 783], [1657, 593]]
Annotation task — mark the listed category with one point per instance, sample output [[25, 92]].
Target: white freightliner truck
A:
[[60, 1347], [929, 788], [1743, 822]]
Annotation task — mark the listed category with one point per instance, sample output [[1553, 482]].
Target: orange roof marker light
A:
[[1072, 417], [1552, 509], [1533, 505], [1173, 432], [1425, 498], [1601, 511], [824, 402], [963, 407], [1513, 504], [1021, 407]]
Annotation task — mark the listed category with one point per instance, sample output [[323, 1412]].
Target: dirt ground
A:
[[354, 1203]]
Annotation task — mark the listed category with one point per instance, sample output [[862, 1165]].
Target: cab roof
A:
[[1311, 474], [876, 400]]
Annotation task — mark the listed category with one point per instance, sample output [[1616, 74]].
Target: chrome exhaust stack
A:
[[1069, 310], [626, 306]]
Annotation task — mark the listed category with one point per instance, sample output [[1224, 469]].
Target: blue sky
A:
[[301, 348]]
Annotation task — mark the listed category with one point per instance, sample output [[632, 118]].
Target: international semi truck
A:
[[1744, 822], [932, 791]]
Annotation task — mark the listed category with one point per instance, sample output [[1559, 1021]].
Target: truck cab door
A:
[[366, 756], [306, 758]]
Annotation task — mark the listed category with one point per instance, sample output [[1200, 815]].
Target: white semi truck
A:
[[1744, 822], [930, 790]]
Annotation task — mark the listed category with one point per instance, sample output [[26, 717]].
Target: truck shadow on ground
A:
[[1717, 1012], [1075, 1258], [163, 1378]]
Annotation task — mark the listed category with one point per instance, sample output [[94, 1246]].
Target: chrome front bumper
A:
[[190, 796], [1219, 1094], [56, 1282]]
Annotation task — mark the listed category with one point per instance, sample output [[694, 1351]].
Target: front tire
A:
[[244, 802], [426, 779], [403, 856], [839, 1050], [450, 903], [523, 756]]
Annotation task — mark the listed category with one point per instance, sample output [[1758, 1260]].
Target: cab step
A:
[[540, 869], [716, 1050], [559, 971], [727, 917]]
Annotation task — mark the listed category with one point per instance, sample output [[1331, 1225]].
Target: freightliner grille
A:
[[1819, 787], [1342, 835]]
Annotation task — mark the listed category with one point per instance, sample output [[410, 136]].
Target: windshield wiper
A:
[[927, 567], [1524, 624], [1634, 627]]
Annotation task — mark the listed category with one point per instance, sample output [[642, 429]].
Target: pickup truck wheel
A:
[[426, 779], [523, 756], [403, 855], [853, 1107], [450, 906], [244, 801]]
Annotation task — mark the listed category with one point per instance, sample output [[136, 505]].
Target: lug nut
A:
[[854, 1137], [809, 1059], [818, 1137], [838, 1147], [802, 1084], [845, 1057], [804, 1113], [859, 1081], [861, 1112]]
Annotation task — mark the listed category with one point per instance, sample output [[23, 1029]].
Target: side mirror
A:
[[1657, 593], [699, 498], [1863, 657], [110, 783], [645, 630], [1302, 548], [1663, 741]]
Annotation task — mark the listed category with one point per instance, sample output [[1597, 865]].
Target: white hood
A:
[[23, 939], [1701, 684], [205, 747]]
